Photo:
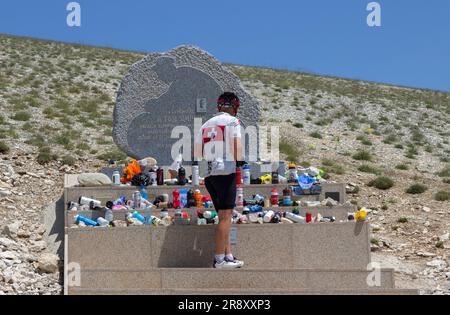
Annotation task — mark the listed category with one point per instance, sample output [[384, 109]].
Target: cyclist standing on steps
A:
[[219, 143]]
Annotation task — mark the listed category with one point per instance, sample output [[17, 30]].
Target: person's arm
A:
[[237, 143]]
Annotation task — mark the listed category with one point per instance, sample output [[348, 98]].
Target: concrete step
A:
[[243, 279], [324, 245], [219, 291]]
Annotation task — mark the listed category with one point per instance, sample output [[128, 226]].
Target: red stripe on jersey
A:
[[216, 133]]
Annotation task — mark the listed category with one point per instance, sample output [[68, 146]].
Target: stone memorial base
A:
[[323, 258]]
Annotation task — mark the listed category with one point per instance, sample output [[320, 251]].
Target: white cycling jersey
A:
[[217, 139]]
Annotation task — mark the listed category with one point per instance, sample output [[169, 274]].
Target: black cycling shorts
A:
[[222, 190]]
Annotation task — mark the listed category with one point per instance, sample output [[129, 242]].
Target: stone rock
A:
[[444, 238], [48, 263], [6, 242], [38, 246], [93, 179], [11, 230], [437, 263], [166, 90], [329, 202], [4, 192], [8, 255], [426, 209]]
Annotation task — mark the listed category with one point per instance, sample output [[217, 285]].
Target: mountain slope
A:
[[57, 101]]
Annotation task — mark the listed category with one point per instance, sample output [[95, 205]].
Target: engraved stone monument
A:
[[166, 90]]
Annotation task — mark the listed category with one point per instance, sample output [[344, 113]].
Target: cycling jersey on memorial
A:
[[216, 137]]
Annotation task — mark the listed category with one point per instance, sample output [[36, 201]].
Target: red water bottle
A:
[[274, 197], [176, 199], [238, 176]]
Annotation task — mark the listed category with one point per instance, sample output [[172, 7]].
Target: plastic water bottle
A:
[[274, 197], [195, 174], [138, 216], [255, 209], [153, 176], [176, 198], [79, 218], [295, 217], [268, 216], [116, 178], [92, 203], [109, 215], [239, 197], [102, 222], [247, 176], [143, 192]]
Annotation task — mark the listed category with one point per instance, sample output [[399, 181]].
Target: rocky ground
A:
[[57, 102]]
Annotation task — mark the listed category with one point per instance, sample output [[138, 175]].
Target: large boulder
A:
[[93, 179]]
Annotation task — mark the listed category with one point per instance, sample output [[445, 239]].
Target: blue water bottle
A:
[[143, 192], [79, 218]]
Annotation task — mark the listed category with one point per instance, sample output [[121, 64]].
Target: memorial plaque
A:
[[164, 91]]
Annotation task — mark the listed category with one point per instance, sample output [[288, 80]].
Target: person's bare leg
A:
[[228, 243], [223, 232]]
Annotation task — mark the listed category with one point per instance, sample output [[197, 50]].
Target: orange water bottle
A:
[[198, 199]]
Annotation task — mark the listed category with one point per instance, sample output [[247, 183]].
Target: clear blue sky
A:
[[412, 47]]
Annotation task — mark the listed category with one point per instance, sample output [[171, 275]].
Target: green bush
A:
[[298, 125], [365, 168], [402, 220], [291, 152], [22, 116], [45, 156], [445, 172], [4, 148], [315, 135], [115, 155], [416, 189], [442, 196], [68, 160], [382, 183], [403, 167], [362, 155]]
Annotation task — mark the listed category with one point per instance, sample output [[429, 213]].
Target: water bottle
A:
[[195, 174], [92, 203], [138, 216], [292, 173], [181, 176], [102, 222], [183, 198], [160, 176], [295, 217], [79, 218], [143, 192], [153, 177], [275, 178], [277, 217], [247, 175], [268, 216], [287, 197], [274, 197], [239, 197], [176, 198], [109, 215], [116, 178], [255, 209], [198, 199]]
